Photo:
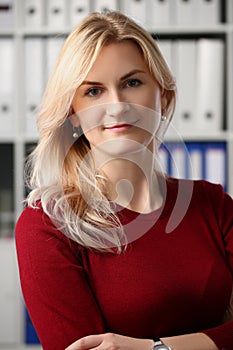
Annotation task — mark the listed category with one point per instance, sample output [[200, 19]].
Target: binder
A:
[[168, 50], [34, 81], [195, 162], [210, 85], [178, 162], [7, 219], [215, 163], [105, 5], [7, 85], [184, 12], [33, 13], [9, 295], [6, 13], [56, 13], [158, 14], [186, 85], [31, 336], [165, 47], [136, 9], [78, 10], [163, 159], [53, 47], [208, 12]]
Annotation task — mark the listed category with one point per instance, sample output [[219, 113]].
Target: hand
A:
[[111, 341]]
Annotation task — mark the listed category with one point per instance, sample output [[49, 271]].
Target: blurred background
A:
[[196, 38]]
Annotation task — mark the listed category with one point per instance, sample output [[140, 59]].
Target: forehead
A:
[[117, 58]]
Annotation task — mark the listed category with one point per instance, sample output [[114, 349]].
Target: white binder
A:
[[165, 47], [215, 159], [163, 159], [185, 12], [158, 14], [78, 10], [10, 296], [34, 81], [56, 13], [33, 13], [195, 164], [136, 10], [178, 162], [210, 84], [6, 13], [208, 12], [7, 84], [53, 47], [186, 85], [103, 5], [170, 53]]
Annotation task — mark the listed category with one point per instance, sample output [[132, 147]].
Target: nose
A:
[[116, 105], [114, 109]]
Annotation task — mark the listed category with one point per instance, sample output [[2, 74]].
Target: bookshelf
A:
[[17, 135]]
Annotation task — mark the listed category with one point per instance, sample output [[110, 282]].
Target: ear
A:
[[74, 118]]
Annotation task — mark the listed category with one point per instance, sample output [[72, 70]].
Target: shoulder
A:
[[32, 218], [199, 188], [201, 196], [214, 194], [200, 204], [35, 228]]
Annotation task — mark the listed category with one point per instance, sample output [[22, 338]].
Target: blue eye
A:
[[133, 83], [93, 92]]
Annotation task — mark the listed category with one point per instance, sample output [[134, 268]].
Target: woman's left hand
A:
[[111, 341]]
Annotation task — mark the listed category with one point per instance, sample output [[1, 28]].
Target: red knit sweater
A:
[[164, 284]]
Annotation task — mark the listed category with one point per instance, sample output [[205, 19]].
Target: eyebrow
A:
[[132, 72]]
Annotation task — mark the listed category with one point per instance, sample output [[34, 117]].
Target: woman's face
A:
[[118, 105]]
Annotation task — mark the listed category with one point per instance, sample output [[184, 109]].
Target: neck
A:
[[133, 183]]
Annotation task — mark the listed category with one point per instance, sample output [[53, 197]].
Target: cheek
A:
[[91, 133], [91, 119], [91, 123], [154, 102], [151, 98], [149, 119], [92, 137]]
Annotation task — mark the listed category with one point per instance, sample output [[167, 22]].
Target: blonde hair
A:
[[60, 170]]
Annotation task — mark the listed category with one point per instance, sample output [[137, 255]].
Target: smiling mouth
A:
[[119, 127]]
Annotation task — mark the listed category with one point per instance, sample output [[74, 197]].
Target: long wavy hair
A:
[[60, 172]]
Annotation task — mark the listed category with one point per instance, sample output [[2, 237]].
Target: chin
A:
[[123, 147]]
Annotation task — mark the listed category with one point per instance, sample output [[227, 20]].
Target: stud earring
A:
[[163, 118], [76, 133]]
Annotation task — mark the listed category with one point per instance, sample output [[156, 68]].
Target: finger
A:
[[86, 343]]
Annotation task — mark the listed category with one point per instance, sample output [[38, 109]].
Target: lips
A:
[[118, 127]]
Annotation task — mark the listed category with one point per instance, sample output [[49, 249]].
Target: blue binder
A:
[[30, 332]]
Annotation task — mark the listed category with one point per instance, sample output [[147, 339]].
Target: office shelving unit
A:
[[15, 142]]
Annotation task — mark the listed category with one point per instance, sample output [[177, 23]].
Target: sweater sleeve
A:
[[222, 204], [59, 299]]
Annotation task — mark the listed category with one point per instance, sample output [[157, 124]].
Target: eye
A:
[[133, 83], [93, 92]]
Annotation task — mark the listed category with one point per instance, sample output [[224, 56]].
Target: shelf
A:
[[195, 30], [174, 30], [201, 136]]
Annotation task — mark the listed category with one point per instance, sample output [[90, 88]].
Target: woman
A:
[[112, 253]]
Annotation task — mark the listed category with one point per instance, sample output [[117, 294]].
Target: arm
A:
[[55, 288], [198, 341], [219, 337]]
